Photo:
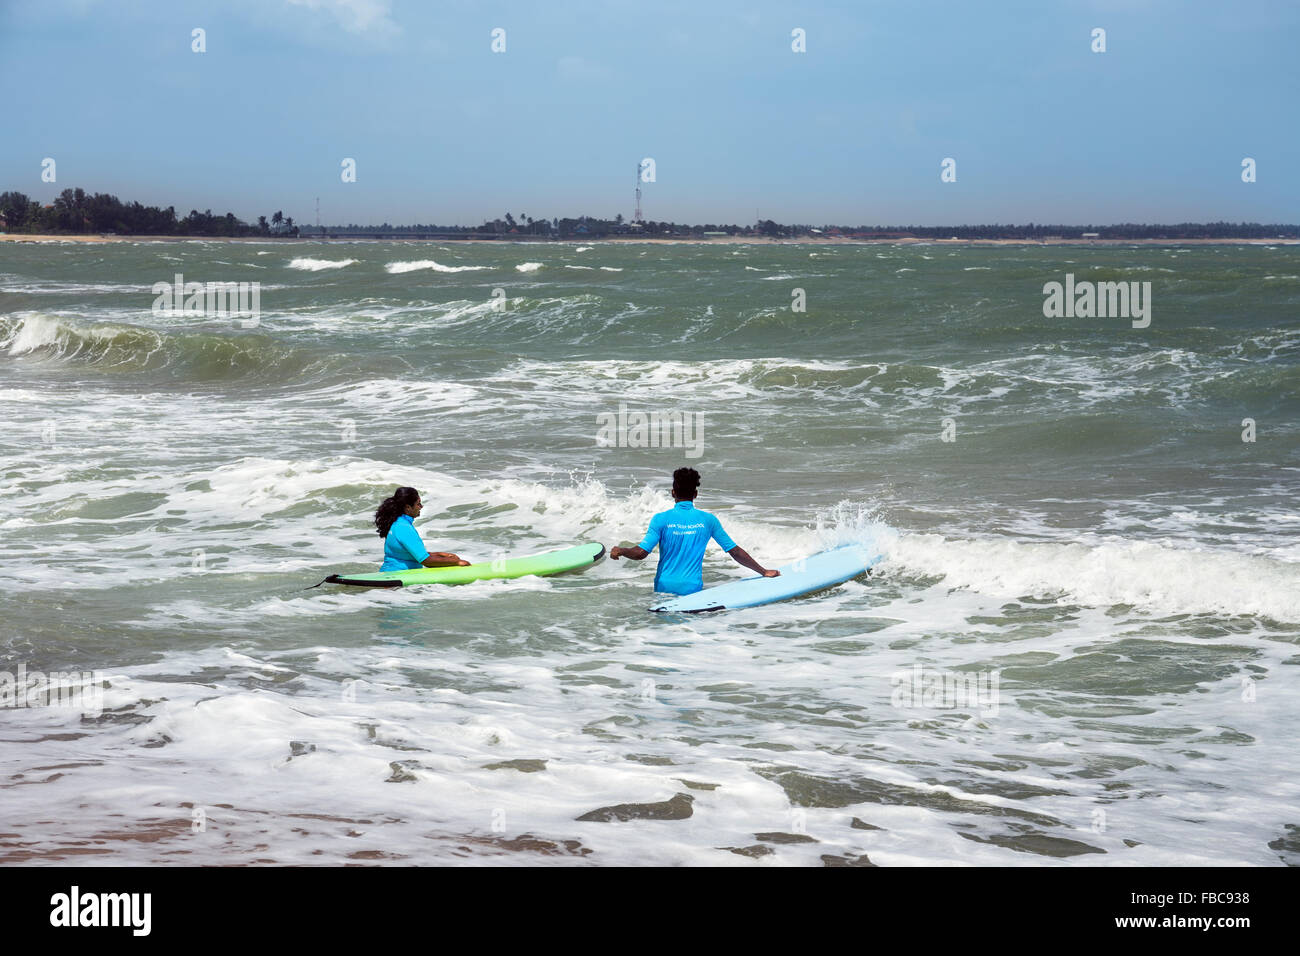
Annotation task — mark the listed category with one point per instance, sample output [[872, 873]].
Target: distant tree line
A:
[[577, 227], [76, 211], [593, 228], [1127, 230]]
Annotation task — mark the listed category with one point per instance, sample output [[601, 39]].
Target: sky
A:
[[740, 126]]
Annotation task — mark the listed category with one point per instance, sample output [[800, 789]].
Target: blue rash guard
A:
[[682, 533], [403, 549]]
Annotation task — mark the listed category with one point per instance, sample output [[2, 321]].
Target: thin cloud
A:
[[579, 68], [356, 16]]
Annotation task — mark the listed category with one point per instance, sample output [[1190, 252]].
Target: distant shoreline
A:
[[715, 241]]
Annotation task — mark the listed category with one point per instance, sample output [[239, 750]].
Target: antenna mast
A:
[[636, 216]]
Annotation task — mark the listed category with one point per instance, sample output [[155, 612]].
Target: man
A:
[[682, 533]]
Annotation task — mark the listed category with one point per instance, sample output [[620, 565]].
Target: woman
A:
[[403, 549]]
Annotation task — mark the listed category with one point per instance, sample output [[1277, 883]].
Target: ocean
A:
[[1080, 649]]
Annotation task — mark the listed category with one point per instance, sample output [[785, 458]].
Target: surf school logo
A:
[[75, 908], [77, 690], [221, 299], [935, 690], [1102, 300], [632, 429]]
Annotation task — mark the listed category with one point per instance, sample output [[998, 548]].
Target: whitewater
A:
[[1094, 522]]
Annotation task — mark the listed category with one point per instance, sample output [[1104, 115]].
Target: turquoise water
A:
[[1095, 535]]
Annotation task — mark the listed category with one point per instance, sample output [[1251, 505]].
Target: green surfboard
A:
[[577, 558]]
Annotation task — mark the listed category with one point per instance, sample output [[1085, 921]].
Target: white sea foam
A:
[[398, 268], [56, 287], [38, 330], [288, 746], [1104, 572], [392, 395], [399, 747], [1146, 655], [1097, 571], [317, 265]]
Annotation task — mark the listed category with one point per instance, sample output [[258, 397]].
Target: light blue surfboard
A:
[[813, 573]]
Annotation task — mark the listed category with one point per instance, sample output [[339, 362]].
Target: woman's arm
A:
[[444, 559]]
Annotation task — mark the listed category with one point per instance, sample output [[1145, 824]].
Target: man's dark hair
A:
[[686, 484]]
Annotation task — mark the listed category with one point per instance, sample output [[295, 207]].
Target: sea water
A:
[[1079, 650]]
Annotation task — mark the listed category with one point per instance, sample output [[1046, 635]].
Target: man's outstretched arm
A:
[[636, 553], [741, 556]]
